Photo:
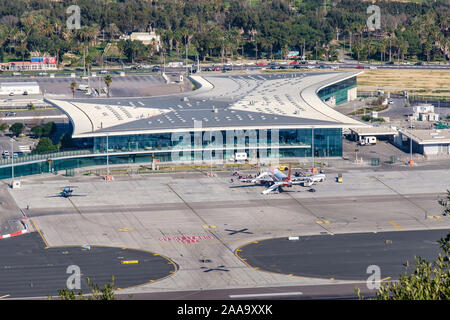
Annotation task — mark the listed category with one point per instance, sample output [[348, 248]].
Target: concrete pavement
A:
[[199, 221]]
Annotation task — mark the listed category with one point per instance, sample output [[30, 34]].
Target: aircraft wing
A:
[[272, 188], [264, 178], [304, 182]]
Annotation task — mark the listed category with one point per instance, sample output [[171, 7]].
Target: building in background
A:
[[425, 112], [146, 38], [426, 142], [35, 64], [19, 88]]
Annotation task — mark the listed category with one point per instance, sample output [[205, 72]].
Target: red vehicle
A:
[[360, 67], [294, 62], [260, 63]]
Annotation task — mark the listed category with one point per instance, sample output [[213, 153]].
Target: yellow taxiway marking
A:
[[384, 279], [326, 222], [125, 229], [205, 226], [395, 225], [434, 217], [130, 261], [39, 231]]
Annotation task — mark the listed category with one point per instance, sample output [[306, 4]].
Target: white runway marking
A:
[[254, 295]]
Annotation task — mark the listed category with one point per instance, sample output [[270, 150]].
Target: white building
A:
[[146, 38], [19, 88], [425, 112], [426, 142]]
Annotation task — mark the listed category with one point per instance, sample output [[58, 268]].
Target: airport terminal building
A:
[[268, 116]]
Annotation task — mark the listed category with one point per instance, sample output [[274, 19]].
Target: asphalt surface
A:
[[129, 85], [344, 256], [28, 269]]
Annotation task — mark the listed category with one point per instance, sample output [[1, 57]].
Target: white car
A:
[[373, 67], [250, 63]]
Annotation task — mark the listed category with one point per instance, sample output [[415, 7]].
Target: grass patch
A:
[[427, 82]]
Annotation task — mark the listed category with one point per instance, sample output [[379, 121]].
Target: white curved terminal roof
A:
[[222, 102]]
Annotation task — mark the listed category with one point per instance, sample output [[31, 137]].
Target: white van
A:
[[83, 87], [239, 156], [367, 140]]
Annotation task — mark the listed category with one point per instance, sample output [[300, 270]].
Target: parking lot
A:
[[130, 85]]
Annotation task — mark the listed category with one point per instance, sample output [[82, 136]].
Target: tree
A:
[[3, 127], [66, 142], [108, 81], [445, 203], [106, 293], [45, 145], [73, 87], [428, 281], [16, 128], [48, 129], [37, 131]]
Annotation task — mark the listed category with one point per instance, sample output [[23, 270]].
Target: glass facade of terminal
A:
[[290, 142], [338, 90], [185, 147]]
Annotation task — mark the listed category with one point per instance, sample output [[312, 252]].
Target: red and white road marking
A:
[[18, 233], [187, 239], [13, 234]]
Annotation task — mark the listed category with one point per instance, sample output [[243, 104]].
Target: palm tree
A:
[[73, 87], [108, 81]]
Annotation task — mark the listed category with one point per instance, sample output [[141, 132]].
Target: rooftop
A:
[[374, 131], [222, 102], [437, 136]]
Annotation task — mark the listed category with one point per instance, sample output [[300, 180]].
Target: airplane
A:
[[67, 192], [274, 180]]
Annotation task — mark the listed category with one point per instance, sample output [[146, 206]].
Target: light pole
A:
[[107, 155], [312, 147], [410, 144], [12, 161]]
